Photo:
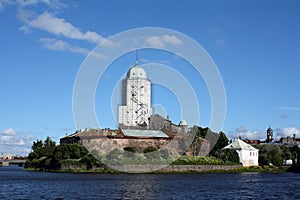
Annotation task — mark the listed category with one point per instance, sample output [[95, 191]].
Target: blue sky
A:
[[255, 45]]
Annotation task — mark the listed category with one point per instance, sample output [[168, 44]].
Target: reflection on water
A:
[[16, 183]]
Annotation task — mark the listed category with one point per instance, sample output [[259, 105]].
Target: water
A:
[[15, 183]]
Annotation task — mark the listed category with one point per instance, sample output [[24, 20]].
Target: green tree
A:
[[150, 149], [129, 151], [270, 153], [151, 153], [220, 144], [47, 156], [228, 155]]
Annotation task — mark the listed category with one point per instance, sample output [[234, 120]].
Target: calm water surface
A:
[[15, 183]]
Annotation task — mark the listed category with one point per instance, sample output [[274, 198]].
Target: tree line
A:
[[49, 156]]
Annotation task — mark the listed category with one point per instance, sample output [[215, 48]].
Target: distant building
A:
[[248, 155], [270, 137], [290, 141], [6, 156], [253, 142]]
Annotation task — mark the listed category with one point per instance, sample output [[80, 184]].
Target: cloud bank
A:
[[162, 41], [12, 141], [262, 134]]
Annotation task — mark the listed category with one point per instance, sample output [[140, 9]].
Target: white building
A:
[[136, 99], [248, 155], [6, 156]]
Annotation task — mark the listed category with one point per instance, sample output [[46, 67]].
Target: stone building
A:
[[290, 141], [138, 127], [105, 140]]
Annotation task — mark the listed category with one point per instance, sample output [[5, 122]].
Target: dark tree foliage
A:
[[276, 154], [217, 141], [129, 151], [228, 155], [89, 161], [151, 153], [47, 156], [221, 143], [150, 149], [202, 132]]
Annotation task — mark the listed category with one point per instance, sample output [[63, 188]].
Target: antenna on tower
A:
[[136, 57]]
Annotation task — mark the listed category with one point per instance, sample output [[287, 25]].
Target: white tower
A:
[[136, 99]]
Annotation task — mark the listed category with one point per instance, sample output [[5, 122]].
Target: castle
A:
[[138, 126]]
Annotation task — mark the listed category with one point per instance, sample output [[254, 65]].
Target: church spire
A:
[[136, 58]]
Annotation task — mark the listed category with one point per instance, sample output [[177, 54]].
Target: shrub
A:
[[151, 153], [150, 149]]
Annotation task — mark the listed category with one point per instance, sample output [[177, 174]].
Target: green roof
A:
[[238, 144], [144, 133], [136, 72]]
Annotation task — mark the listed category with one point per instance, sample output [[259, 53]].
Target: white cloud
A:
[[287, 132], [58, 26], [162, 41], [173, 40], [262, 134], [155, 41], [55, 4], [4, 3], [48, 21], [21, 142], [59, 45], [8, 132], [289, 108], [6, 138], [14, 142], [247, 134], [220, 42], [6, 141]]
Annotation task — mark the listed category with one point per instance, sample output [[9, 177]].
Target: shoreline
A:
[[217, 169]]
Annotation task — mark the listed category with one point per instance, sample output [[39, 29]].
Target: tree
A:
[[229, 155], [151, 153], [220, 144], [47, 156], [270, 153], [129, 151], [150, 149]]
